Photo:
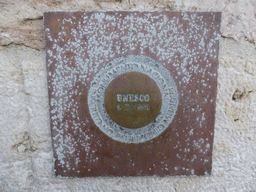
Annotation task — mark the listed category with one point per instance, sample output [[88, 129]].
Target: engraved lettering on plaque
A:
[[133, 99]]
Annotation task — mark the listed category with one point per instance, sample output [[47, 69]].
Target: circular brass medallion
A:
[[133, 99]]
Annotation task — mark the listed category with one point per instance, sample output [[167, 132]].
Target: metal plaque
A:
[[132, 93]]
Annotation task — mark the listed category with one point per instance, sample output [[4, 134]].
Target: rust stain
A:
[[79, 44]]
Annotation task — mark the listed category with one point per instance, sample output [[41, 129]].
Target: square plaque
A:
[[132, 93]]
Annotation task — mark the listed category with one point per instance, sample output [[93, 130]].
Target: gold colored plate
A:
[[133, 100]]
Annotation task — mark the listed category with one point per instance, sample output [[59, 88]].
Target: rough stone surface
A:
[[21, 22], [25, 145]]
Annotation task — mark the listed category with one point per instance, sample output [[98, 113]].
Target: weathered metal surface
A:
[[182, 48]]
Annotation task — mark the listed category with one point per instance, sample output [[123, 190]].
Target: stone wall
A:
[[26, 162]]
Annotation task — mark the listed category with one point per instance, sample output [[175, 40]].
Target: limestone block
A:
[[29, 37], [35, 83], [25, 25], [43, 164], [38, 108], [16, 175]]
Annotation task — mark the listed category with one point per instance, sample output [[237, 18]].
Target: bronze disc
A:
[[133, 100]]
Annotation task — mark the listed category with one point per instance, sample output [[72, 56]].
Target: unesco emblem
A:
[[133, 99]]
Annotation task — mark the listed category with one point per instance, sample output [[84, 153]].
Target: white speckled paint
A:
[[179, 42]]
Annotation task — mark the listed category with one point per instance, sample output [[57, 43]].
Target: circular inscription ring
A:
[[123, 65]]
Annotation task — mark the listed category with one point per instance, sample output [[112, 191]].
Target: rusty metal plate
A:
[[132, 93]]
